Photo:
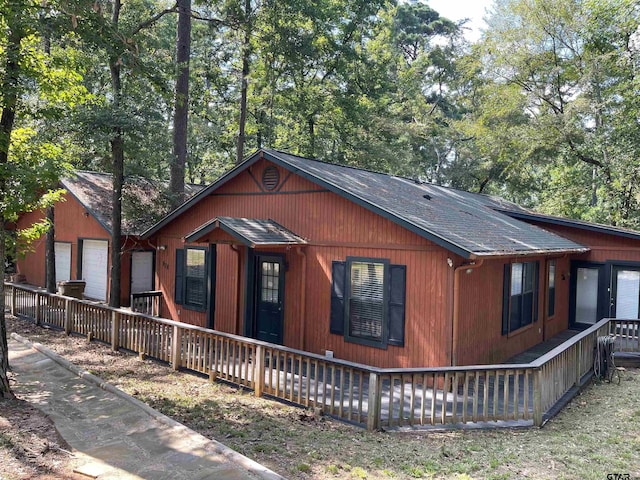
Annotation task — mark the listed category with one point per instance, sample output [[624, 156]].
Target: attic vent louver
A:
[[270, 177], [426, 196]]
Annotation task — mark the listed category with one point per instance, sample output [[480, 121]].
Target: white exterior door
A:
[[141, 272], [95, 258], [63, 261]]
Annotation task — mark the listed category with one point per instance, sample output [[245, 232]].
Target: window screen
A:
[[366, 300], [195, 277]]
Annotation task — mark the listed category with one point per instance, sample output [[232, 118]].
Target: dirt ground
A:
[[596, 435], [30, 447]]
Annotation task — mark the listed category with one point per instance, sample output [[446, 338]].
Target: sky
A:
[[459, 9]]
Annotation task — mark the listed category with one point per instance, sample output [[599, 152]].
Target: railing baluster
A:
[[434, 396], [333, 389], [360, 396], [476, 396], [412, 400], [526, 391], [445, 390], [401, 409]]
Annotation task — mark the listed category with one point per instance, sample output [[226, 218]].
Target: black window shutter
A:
[[178, 297], [338, 275], [397, 295], [506, 292]]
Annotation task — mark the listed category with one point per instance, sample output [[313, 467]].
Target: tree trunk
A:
[[244, 81], [117, 153], [312, 137], [117, 157], [181, 109], [7, 119], [50, 252], [5, 390]]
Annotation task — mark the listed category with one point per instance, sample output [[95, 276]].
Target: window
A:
[[191, 278], [520, 303], [551, 292], [195, 277], [368, 301]]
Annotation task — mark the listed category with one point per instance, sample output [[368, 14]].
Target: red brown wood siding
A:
[[481, 301], [32, 264], [603, 247], [335, 228], [559, 321], [73, 222]]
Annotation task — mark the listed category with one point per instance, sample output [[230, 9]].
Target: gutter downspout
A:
[[456, 306], [238, 285], [303, 291]]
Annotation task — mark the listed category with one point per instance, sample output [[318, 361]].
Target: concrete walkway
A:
[[115, 436]]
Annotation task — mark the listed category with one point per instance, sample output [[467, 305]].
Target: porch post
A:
[[258, 379], [67, 316], [577, 359], [537, 397], [14, 299], [115, 330], [37, 309], [176, 347], [373, 402]]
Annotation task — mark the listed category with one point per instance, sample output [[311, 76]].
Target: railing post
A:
[[67, 316], [578, 359], [14, 299], [258, 379], [537, 397], [176, 346], [37, 309], [374, 399], [115, 330]]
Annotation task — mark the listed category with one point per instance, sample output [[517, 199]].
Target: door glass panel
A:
[[270, 287], [627, 293], [587, 295]]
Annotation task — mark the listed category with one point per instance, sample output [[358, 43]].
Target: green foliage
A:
[[30, 176], [572, 66], [543, 110]]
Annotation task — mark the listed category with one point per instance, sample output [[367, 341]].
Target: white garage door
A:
[[95, 258], [141, 272], [63, 261]]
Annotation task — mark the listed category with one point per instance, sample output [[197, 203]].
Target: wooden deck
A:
[[543, 348], [521, 392]]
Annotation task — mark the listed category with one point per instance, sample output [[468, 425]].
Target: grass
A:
[[596, 434]]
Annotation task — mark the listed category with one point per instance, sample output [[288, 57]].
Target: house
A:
[[83, 235], [383, 270]]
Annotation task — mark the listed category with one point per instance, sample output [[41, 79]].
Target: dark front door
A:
[[269, 288], [625, 292]]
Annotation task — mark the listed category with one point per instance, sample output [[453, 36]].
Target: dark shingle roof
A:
[[143, 201], [462, 222], [524, 214], [250, 231]]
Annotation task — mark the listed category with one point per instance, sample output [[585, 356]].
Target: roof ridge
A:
[[416, 181], [135, 175], [362, 169]]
